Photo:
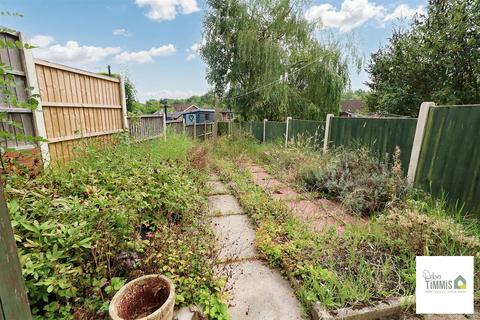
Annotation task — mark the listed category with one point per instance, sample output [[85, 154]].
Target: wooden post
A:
[[123, 102], [215, 120], [205, 132], [37, 114], [164, 127], [327, 132], [195, 128], [183, 124], [286, 131], [418, 140], [264, 126], [13, 295]]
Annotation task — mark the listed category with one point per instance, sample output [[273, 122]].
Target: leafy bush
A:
[[85, 229], [354, 177]]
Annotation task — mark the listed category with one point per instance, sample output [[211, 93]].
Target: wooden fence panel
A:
[[14, 58], [78, 106], [175, 126], [146, 127]]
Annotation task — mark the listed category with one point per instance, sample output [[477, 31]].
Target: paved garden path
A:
[[318, 213], [257, 292]]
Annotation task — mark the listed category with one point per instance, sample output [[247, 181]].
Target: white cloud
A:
[[167, 9], [194, 51], [172, 94], [145, 56], [41, 40], [120, 32], [352, 14], [74, 53], [403, 11]]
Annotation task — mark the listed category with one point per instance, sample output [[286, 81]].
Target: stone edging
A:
[[387, 308]]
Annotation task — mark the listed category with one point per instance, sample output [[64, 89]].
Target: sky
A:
[[156, 42]]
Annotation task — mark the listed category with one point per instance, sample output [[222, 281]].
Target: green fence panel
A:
[[380, 135], [309, 131], [256, 129], [275, 131], [449, 162]]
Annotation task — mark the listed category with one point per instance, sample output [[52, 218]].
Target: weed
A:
[[84, 229]]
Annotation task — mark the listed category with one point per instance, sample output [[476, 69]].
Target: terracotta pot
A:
[[149, 297]]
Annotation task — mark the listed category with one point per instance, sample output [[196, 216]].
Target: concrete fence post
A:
[[327, 132], [123, 102], [264, 126], [37, 114], [418, 140], [286, 131]]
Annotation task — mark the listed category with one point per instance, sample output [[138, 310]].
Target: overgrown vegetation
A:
[[85, 229], [365, 263], [359, 181]]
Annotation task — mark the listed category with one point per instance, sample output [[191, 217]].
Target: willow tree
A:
[[264, 60]]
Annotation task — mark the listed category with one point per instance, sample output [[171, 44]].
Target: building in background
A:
[[351, 108]]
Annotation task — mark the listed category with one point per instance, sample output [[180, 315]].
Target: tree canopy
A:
[[437, 59], [264, 60]]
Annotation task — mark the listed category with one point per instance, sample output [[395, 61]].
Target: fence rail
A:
[[146, 126]]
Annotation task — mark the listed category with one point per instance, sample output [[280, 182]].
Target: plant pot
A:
[[150, 297]]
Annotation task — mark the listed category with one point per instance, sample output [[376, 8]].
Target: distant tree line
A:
[[437, 59]]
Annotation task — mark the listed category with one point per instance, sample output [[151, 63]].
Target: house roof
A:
[[183, 107], [199, 110], [174, 115], [351, 105]]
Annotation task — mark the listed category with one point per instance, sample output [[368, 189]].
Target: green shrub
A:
[[84, 229], [355, 178]]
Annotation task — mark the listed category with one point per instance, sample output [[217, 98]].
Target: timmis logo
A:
[[435, 282]]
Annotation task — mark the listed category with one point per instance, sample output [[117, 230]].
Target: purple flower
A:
[[150, 234]]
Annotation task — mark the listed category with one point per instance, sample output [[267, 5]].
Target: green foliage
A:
[[109, 216], [272, 65], [363, 264], [436, 60], [354, 177]]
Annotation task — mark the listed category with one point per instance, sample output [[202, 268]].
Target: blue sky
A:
[[154, 41]]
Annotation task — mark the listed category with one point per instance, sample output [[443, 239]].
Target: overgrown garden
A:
[[365, 263], [113, 214]]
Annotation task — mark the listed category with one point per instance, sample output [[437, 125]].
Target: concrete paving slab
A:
[[258, 293], [235, 237], [217, 187], [223, 205]]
